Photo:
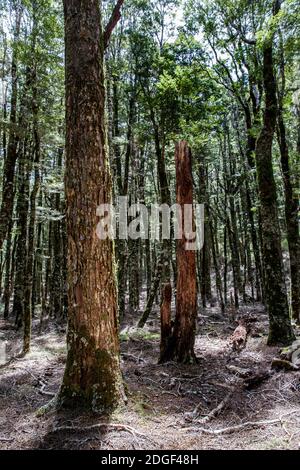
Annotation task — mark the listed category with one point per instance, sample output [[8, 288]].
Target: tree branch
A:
[[115, 17]]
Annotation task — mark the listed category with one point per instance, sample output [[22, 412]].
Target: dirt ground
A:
[[168, 405]]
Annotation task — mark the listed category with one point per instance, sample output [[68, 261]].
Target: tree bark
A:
[[92, 377], [291, 202], [181, 345], [275, 289], [7, 203]]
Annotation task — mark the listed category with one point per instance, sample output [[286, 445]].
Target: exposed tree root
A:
[[107, 426]]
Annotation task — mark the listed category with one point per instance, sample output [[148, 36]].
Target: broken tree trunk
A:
[[181, 345]]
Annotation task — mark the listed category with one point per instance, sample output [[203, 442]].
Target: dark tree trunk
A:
[[275, 289], [8, 269], [165, 321], [29, 279], [216, 264], [21, 242], [291, 204], [205, 256], [56, 307], [7, 203]]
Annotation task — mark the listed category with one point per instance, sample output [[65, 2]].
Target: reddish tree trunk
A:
[[92, 376], [181, 345]]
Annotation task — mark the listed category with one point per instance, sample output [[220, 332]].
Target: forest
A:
[[149, 225]]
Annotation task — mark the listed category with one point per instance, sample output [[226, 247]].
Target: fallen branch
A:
[[239, 371], [131, 356], [44, 392], [283, 364], [216, 411], [238, 427]]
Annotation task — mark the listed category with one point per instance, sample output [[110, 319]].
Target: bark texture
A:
[[181, 345], [275, 289], [92, 376]]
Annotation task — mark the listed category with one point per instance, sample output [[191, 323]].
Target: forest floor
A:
[[168, 405]]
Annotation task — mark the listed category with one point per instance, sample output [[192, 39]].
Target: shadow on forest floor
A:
[[167, 405]]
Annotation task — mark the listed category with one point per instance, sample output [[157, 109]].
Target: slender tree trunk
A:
[[216, 265], [47, 286], [92, 376], [205, 256], [29, 280], [21, 242], [7, 203], [8, 269], [165, 321], [30, 262], [225, 264], [57, 289]]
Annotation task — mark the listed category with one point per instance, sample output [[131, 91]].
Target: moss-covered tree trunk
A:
[[92, 376], [291, 199], [275, 289]]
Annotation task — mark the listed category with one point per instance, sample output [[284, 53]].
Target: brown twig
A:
[[115, 17], [238, 427]]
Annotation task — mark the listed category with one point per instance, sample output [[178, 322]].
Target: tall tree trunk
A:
[[21, 242], [92, 375], [56, 292], [291, 203], [275, 289], [30, 261], [162, 272], [214, 243], [8, 268], [7, 203], [27, 320], [181, 344], [205, 256]]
